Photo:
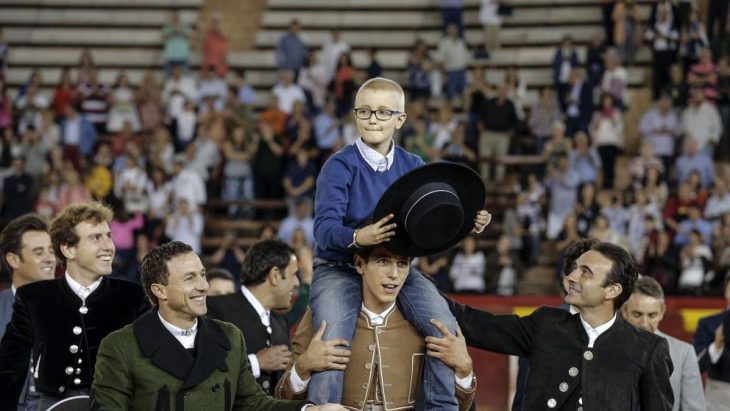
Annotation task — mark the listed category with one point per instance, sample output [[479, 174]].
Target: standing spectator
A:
[[669, 9], [615, 80], [663, 36], [313, 80], [507, 264], [701, 122], [457, 150], [178, 88], [659, 128], [327, 131], [677, 88], [443, 128], [291, 50], [95, 101], [607, 133], [130, 186], [419, 69], [72, 189], [584, 159], [34, 151], [692, 160], [693, 222], [85, 67], [212, 85], [562, 184], [543, 114], [451, 14], [703, 74], [30, 105], [99, 179], [64, 94], [595, 57], [497, 126], [123, 226], [287, 91], [150, 104], [638, 228], [516, 90], [421, 142], [4, 51], [646, 159], [176, 43], [123, 108], [343, 85], [453, 55], [557, 145], [50, 132], [626, 30], [6, 106], [607, 14], [299, 179], [332, 49], [578, 104], [159, 191], [564, 62], [374, 69], [237, 175], [229, 256], [301, 219], [717, 13], [468, 270], [491, 20], [187, 183], [587, 209], [694, 40], [215, 48], [567, 236], [269, 165], [719, 202], [615, 210], [661, 258], [273, 116], [17, 191], [185, 224], [696, 260], [78, 136]]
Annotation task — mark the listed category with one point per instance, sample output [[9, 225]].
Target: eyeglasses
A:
[[382, 115]]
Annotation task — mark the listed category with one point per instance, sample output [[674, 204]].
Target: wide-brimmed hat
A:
[[434, 207]]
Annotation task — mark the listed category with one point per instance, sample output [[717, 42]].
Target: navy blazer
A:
[[704, 336], [558, 61]]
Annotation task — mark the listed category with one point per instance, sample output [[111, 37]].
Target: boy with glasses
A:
[[349, 186]]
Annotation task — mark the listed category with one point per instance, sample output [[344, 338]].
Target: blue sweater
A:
[[347, 192]]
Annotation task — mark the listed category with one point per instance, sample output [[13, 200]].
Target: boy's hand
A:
[[481, 221], [451, 349], [376, 233], [323, 355]]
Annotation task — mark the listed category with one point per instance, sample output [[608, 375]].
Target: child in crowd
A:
[[349, 186]]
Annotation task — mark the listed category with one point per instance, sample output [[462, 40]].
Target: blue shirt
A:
[[586, 166], [291, 52], [326, 131], [686, 227], [347, 192], [700, 162]]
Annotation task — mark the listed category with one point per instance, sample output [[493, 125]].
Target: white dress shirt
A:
[[186, 337], [80, 290], [593, 333], [375, 160], [265, 317]]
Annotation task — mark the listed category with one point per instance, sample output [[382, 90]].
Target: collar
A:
[[378, 319], [601, 328], [375, 160], [264, 314], [185, 337], [573, 310], [80, 290], [13, 289]]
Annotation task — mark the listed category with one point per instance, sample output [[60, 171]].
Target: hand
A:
[[450, 349], [328, 407], [481, 221], [274, 358], [322, 355], [719, 337], [376, 233], [304, 257]]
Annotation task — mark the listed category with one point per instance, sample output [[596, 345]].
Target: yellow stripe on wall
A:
[[691, 316]]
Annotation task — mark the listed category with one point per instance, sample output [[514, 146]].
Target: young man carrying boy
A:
[[348, 188]]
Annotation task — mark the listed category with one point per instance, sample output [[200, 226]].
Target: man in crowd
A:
[[173, 357], [269, 278], [645, 309], [26, 254], [64, 320]]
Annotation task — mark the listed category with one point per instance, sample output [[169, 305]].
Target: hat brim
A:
[[466, 182]]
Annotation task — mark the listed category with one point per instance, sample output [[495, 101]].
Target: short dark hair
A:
[[650, 287], [12, 235], [574, 251], [261, 258], [63, 227], [154, 265], [623, 270], [218, 274]]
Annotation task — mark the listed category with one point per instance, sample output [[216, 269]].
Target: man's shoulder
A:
[[711, 320], [677, 344], [411, 159], [124, 287], [38, 289], [119, 337]]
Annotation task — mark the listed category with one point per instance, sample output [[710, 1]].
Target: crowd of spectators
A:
[[158, 151]]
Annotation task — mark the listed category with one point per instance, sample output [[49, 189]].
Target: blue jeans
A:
[[336, 297], [455, 83]]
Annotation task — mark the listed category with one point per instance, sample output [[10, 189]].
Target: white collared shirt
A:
[[714, 352], [80, 290], [265, 317], [593, 333], [375, 160], [298, 385], [13, 289], [186, 337]]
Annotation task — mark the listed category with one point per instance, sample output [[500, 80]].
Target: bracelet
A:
[[354, 240]]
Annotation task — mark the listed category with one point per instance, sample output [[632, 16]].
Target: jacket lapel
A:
[[161, 347], [212, 347]]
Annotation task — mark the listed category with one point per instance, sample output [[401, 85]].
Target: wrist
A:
[[302, 369], [464, 371]]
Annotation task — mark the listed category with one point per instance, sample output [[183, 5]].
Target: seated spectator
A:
[[130, 186], [291, 50], [72, 190], [302, 139], [229, 257], [374, 69], [50, 132], [721, 248], [187, 183], [99, 179], [469, 268], [659, 128], [212, 85], [677, 88], [159, 192], [332, 49], [607, 133], [663, 35], [453, 56], [694, 40], [220, 282], [564, 63], [443, 127], [123, 108], [543, 114], [516, 90], [578, 103], [35, 152], [205, 152], [693, 222], [696, 262], [273, 116], [507, 267], [694, 160], [6, 106], [457, 149], [178, 88], [160, 151], [17, 194], [94, 104], [215, 46], [587, 209], [615, 80], [30, 105], [287, 92], [595, 59], [601, 231], [654, 187], [244, 91], [584, 158], [529, 218], [313, 81], [295, 119], [626, 17], [343, 85], [176, 37], [421, 142], [719, 202], [645, 160], [300, 219], [268, 169], [237, 174], [660, 259], [638, 213], [701, 121], [78, 136], [124, 225], [567, 236], [64, 94], [562, 184], [723, 105], [436, 268], [615, 210], [185, 224], [557, 145], [419, 72], [327, 131], [299, 179], [703, 75]]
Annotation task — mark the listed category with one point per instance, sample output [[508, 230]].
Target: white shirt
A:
[[298, 385], [593, 333], [715, 353], [702, 123], [265, 317], [288, 95], [375, 160], [186, 337], [80, 290]]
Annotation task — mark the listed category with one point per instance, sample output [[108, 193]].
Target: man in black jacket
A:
[[591, 360], [269, 278]]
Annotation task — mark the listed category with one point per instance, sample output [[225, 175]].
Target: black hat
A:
[[434, 207]]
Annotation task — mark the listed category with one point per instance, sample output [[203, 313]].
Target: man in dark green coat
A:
[[175, 358]]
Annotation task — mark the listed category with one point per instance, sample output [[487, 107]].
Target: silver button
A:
[[364, 386], [371, 347], [77, 330], [265, 384], [80, 361], [74, 349], [78, 371], [378, 320], [83, 309], [269, 330], [77, 381], [563, 387], [580, 400], [368, 366], [579, 409], [588, 355], [552, 403], [61, 389], [573, 371], [69, 370], [379, 330]]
